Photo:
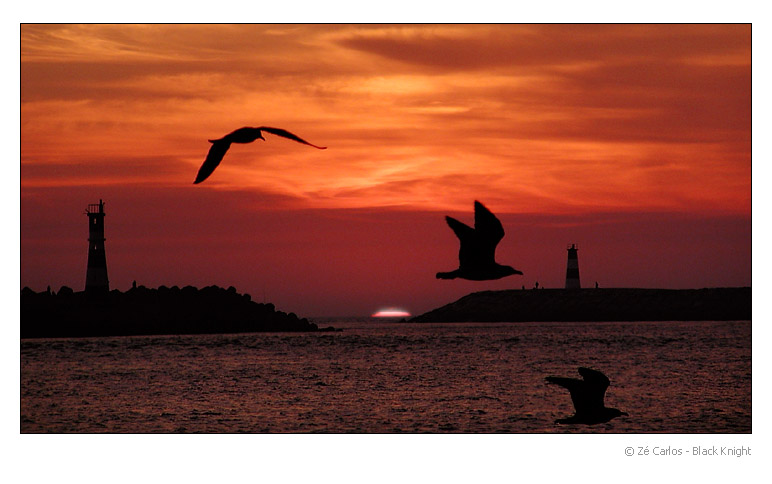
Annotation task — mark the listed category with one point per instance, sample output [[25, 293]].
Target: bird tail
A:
[[446, 275]]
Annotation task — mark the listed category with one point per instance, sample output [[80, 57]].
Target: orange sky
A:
[[642, 130]]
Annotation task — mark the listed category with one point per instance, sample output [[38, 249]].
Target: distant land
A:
[[143, 311], [612, 304]]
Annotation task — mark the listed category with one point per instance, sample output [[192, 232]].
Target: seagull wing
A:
[[468, 252], [587, 396], [461, 229], [286, 134], [596, 384], [594, 377], [575, 387], [242, 135], [489, 232], [216, 153]]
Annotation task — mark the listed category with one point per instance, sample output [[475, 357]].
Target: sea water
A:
[[391, 377]]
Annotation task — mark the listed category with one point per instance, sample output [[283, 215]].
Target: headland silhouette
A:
[[596, 305], [144, 311]]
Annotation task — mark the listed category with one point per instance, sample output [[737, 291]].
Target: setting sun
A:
[[391, 313]]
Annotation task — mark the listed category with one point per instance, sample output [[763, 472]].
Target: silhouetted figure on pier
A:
[[587, 395], [477, 255], [241, 135]]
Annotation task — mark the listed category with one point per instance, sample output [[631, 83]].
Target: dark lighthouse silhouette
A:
[[241, 135], [572, 268], [477, 255], [96, 271]]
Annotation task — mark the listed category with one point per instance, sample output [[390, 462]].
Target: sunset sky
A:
[[632, 141]]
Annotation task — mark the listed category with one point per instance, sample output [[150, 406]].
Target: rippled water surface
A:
[[376, 377]]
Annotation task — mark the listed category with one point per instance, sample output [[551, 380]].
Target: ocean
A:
[[381, 377]]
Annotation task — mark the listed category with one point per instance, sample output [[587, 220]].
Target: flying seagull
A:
[[587, 395], [241, 135], [477, 255]]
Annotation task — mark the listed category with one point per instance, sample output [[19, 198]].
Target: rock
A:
[[150, 311], [613, 304]]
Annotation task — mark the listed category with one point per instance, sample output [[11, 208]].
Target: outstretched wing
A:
[[586, 394], [574, 386], [489, 232], [568, 383], [286, 134], [594, 378], [461, 229], [486, 224], [596, 384], [216, 153], [467, 252], [593, 391]]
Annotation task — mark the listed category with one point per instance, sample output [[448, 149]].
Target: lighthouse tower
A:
[[572, 269], [96, 272]]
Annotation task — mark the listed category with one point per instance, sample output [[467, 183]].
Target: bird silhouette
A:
[[477, 255], [241, 135], [587, 395]]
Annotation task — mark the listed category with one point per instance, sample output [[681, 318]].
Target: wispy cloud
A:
[[558, 118]]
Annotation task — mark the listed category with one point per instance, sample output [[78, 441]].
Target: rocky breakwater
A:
[[144, 311], [614, 304]]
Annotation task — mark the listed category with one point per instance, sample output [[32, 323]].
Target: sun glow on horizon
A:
[[391, 313]]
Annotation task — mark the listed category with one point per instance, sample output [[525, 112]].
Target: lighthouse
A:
[[572, 268], [96, 271]]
